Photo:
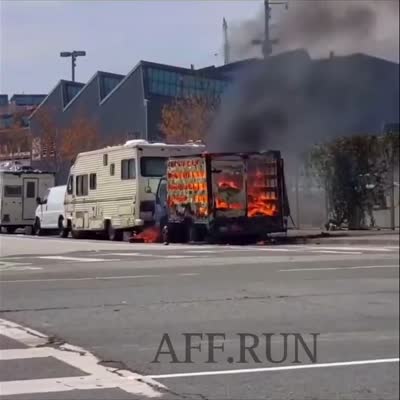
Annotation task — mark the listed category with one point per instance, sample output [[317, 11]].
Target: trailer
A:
[[20, 189], [211, 196]]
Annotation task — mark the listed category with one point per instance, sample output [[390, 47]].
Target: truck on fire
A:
[[209, 196], [111, 190]]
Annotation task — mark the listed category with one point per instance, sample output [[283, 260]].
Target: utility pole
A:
[[73, 54], [227, 47], [267, 43]]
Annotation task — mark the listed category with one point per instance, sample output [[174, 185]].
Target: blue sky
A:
[[115, 35]]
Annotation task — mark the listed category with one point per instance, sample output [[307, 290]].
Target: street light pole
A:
[[74, 55]]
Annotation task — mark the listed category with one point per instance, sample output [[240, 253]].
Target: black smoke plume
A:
[[290, 100]]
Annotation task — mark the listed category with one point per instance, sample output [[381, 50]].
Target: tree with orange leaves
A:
[[187, 118], [45, 146], [15, 141], [81, 136]]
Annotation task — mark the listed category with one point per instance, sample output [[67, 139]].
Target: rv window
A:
[[92, 182], [105, 159], [12, 191], [153, 166], [128, 169], [30, 190], [82, 185], [70, 186], [112, 169]]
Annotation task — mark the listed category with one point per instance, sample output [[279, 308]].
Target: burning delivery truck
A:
[[211, 196]]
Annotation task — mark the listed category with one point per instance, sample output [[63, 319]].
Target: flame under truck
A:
[[210, 196]]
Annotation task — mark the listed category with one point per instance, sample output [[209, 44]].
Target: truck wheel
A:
[[76, 234], [174, 233], [10, 229], [37, 229], [28, 230], [113, 234], [62, 232]]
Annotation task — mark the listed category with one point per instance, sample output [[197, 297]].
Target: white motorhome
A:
[[112, 190], [20, 188]]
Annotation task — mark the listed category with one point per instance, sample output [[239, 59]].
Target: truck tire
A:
[[37, 230], [175, 233], [76, 234], [113, 234], [196, 233], [10, 229], [62, 232]]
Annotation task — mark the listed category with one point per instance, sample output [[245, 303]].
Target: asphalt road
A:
[[117, 301]]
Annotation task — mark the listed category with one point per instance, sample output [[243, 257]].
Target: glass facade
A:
[[70, 91], [27, 100], [176, 84], [108, 83]]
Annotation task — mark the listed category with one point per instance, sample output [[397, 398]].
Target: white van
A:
[[50, 211], [112, 190], [19, 189]]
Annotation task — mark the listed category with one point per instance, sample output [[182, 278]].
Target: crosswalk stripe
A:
[[99, 376]]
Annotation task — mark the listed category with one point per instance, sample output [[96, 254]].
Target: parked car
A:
[[49, 215]]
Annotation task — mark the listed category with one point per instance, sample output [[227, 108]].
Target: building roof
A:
[[3, 99], [103, 89], [27, 99], [61, 83]]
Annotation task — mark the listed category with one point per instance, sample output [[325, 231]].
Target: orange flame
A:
[[222, 204], [262, 198], [224, 185], [149, 235]]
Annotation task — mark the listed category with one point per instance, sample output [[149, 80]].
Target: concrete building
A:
[[15, 144], [128, 106]]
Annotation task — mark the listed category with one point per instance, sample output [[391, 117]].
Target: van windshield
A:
[[153, 166]]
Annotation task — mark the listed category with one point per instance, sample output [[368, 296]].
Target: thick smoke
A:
[[341, 26], [293, 99], [301, 96]]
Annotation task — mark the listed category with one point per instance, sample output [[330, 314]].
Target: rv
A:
[[112, 190], [20, 188]]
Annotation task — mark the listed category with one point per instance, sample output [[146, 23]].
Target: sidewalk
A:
[[384, 237]]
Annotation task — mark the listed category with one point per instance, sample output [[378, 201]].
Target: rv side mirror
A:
[[147, 189]]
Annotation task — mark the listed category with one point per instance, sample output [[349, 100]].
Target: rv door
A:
[[30, 187]]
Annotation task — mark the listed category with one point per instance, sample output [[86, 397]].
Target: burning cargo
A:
[[211, 195]]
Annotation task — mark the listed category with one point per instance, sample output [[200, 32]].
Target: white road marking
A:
[[271, 369], [95, 278], [21, 269], [350, 248], [189, 274], [338, 268], [201, 252], [80, 259], [147, 255], [100, 377], [336, 252], [27, 336]]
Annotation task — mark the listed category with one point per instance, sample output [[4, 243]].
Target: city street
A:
[[85, 319]]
